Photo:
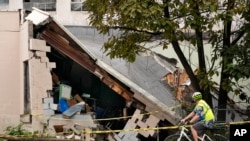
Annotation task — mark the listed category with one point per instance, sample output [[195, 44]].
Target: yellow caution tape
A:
[[115, 131], [155, 128], [238, 122], [128, 130], [139, 129]]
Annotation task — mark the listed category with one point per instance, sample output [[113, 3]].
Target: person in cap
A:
[[201, 118]]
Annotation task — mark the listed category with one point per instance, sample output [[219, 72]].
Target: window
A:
[[4, 4], [77, 5], [45, 5]]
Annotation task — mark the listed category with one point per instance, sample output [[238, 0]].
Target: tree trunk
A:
[[224, 81], [178, 51], [222, 101], [201, 57]]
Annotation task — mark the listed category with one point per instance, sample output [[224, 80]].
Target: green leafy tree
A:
[[197, 22]]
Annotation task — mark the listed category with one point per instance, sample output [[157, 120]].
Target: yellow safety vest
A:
[[208, 113]]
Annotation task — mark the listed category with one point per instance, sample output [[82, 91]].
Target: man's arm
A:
[[190, 115], [194, 119]]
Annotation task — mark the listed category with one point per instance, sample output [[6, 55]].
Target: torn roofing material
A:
[[140, 80]]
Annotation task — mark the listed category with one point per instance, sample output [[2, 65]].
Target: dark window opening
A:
[[4, 4], [45, 5], [77, 5]]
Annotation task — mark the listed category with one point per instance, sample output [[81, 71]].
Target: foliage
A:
[[19, 131], [175, 21], [15, 131]]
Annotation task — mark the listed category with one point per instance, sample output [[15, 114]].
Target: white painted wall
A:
[[15, 4], [63, 13], [10, 88], [65, 16]]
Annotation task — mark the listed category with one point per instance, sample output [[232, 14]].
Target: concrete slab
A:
[[84, 120]]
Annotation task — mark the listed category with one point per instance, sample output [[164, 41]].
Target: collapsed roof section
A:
[[140, 81]]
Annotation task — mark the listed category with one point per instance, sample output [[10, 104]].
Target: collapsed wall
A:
[[25, 72]]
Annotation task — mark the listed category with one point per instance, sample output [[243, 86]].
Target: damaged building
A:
[[50, 70], [56, 78]]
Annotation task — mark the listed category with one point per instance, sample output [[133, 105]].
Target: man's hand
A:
[[183, 121]]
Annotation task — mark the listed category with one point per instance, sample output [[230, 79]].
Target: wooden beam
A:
[[82, 58]]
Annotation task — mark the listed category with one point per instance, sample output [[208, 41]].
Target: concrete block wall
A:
[[40, 79], [26, 32]]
